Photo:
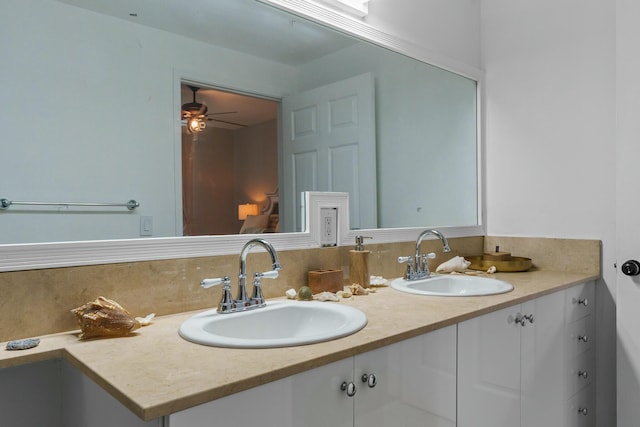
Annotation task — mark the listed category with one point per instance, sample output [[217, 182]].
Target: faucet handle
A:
[[272, 274], [208, 283], [425, 262], [226, 302], [256, 297], [403, 259]]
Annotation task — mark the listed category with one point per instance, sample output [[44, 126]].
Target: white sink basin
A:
[[279, 324], [452, 286]]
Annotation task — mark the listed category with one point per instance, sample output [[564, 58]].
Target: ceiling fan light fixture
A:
[[194, 124]]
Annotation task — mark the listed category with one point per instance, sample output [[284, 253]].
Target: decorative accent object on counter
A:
[[104, 318], [502, 261], [357, 289], [291, 294], [325, 281], [305, 294], [378, 281], [326, 296], [497, 255], [23, 344], [456, 264]]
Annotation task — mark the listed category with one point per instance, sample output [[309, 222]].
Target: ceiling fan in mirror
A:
[[194, 114]]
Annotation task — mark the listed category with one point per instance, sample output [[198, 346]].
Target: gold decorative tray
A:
[[510, 264]]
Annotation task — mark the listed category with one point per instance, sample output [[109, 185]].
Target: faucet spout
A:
[[417, 266], [242, 276], [445, 243]]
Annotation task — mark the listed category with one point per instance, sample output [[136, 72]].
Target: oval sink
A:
[[452, 286], [279, 324]]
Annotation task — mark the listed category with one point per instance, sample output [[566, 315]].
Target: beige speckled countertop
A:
[[156, 373]]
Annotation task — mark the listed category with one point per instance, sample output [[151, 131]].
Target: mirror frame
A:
[[29, 256]]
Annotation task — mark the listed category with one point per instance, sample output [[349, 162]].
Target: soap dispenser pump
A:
[[359, 263]]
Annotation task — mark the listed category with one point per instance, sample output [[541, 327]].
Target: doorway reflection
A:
[[232, 161]]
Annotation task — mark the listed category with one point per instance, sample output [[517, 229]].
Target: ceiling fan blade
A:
[[223, 112], [227, 122]]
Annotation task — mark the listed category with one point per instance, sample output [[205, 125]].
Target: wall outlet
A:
[[329, 224]]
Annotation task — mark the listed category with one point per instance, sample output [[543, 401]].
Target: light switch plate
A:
[[146, 226], [329, 226]]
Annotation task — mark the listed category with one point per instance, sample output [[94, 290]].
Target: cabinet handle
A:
[[370, 380], [349, 387], [522, 320], [583, 338], [583, 301], [583, 374], [583, 411]]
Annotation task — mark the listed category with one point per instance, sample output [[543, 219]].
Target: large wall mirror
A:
[[91, 111]]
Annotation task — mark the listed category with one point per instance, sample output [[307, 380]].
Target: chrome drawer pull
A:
[[350, 388], [369, 380], [583, 411], [583, 338], [583, 374], [583, 301]]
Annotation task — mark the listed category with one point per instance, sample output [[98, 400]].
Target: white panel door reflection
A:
[[328, 144]]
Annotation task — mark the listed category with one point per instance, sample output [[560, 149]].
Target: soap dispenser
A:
[[359, 263]]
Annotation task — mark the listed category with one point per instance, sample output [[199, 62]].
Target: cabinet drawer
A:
[[579, 301], [581, 409], [580, 336], [581, 371]]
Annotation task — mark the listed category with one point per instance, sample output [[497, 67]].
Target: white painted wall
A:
[[448, 29], [550, 137]]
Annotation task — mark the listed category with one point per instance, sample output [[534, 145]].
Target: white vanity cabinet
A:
[[416, 382], [529, 365], [413, 381]]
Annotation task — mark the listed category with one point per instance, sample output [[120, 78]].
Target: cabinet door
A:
[[544, 379], [317, 399], [489, 370], [309, 399], [415, 382]]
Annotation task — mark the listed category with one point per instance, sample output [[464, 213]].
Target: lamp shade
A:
[[247, 209]]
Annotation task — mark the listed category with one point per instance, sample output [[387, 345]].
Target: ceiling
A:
[[267, 32]]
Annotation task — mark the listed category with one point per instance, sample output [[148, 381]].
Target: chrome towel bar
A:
[[131, 204]]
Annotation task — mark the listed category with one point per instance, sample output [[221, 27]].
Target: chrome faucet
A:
[[242, 302], [417, 266]]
